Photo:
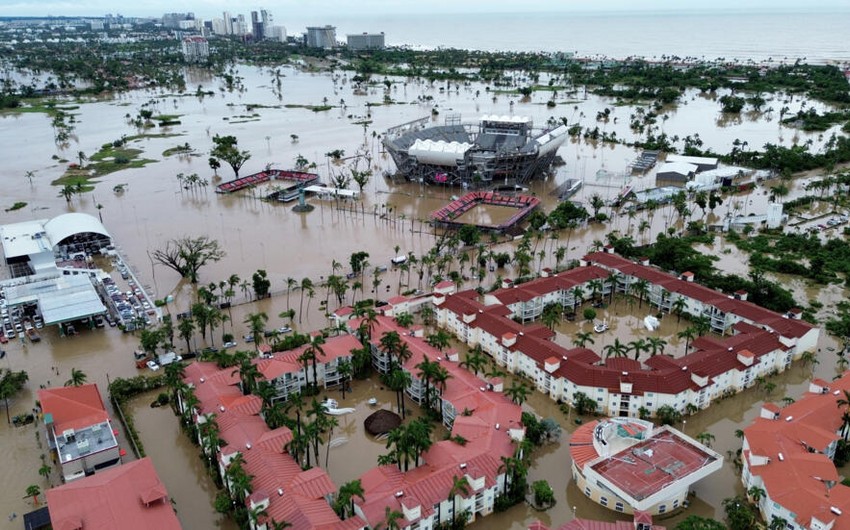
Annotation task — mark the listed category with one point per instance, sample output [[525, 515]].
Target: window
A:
[[603, 501], [618, 506], [587, 491], [662, 508], [675, 504]]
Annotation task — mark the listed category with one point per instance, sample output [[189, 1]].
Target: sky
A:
[[301, 9]]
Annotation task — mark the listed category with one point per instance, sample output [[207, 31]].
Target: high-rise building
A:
[[256, 26], [366, 41], [173, 20], [228, 23], [195, 49], [321, 37], [276, 33]]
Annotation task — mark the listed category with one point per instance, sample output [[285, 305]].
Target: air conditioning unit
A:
[[68, 435]]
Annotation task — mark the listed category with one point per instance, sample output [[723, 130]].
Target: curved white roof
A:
[[439, 153], [506, 119], [69, 224]]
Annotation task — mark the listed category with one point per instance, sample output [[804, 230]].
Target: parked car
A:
[[248, 338], [284, 329], [230, 344], [153, 366]]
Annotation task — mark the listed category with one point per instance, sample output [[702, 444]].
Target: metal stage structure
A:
[[497, 150]]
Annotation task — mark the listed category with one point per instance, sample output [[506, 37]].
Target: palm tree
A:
[[257, 324], [475, 361], [582, 338], [617, 349], [641, 288], [518, 392], [460, 486], [688, 334], [427, 370], [44, 471], [391, 518], [344, 505], [81, 157], [656, 345], [399, 380], [316, 349], [78, 378], [755, 493], [306, 285], [29, 175], [33, 491], [705, 438], [639, 346], [578, 297], [679, 306], [439, 340]]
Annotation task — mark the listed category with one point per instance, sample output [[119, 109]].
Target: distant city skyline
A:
[[296, 10]]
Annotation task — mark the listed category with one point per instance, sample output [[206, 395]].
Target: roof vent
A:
[[789, 418], [836, 392], [463, 465], [564, 357], [202, 380], [625, 373], [483, 388], [399, 494], [280, 492], [521, 334], [498, 426], [481, 311], [684, 368], [439, 359], [835, 510], [248, 445], [781, 457], [221, 408], [729, 348]]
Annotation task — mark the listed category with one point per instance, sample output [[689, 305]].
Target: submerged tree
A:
[[227, 151], [187, 255], [10, 384]]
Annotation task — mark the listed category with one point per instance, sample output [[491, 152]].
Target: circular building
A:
[[628, 465]]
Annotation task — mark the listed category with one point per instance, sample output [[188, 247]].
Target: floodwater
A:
[[487, 215], [259, 235]]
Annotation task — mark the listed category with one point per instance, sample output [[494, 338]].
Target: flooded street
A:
[[154, 208]]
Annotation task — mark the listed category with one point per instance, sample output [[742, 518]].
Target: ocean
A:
[[815, 37]]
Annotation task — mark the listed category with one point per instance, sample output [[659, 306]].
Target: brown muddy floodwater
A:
[[487, 215], [153, 208]]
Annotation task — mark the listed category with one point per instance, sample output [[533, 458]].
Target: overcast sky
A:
[[301, 9]]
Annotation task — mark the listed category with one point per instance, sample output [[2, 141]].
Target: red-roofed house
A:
[[788, 454], [79, 430], [641, 521], [130, 497]]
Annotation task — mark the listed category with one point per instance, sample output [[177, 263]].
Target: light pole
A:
[[684, 423]]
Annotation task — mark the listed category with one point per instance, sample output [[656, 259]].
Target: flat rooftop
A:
[[61, 299], [98, 437], [23, 239], [651, 465]]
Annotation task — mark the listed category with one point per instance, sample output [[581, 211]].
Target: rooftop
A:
[[644, 461], [130, 497]]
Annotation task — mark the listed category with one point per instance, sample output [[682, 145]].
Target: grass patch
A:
[[108, 160], [252, 106], [245, 121], [137, 137], [314, 108], [50, 107], [16, 206], [180, 149]]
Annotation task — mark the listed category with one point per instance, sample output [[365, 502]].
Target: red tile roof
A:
[[797, 480], [130, 497], [73, 407]]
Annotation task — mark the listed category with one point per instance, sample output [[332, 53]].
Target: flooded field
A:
[[154, 207], [487, 215]]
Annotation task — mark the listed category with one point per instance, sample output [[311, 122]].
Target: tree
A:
[[475, 361], [518, 392], [582, 339], [187, 255], [44, 471], [226, 150], [261, 284], [214, 165], [33, 491], [257, 324], [695, 522], [10, 384], [186, 329], [404, 320], [688, 334], [740, 515], [29, 175], [544, 497], [78, 378], [344, 505], [667, 415], [439, 340], [617, 349], [705, 438], [584, 404], [460, 486]]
